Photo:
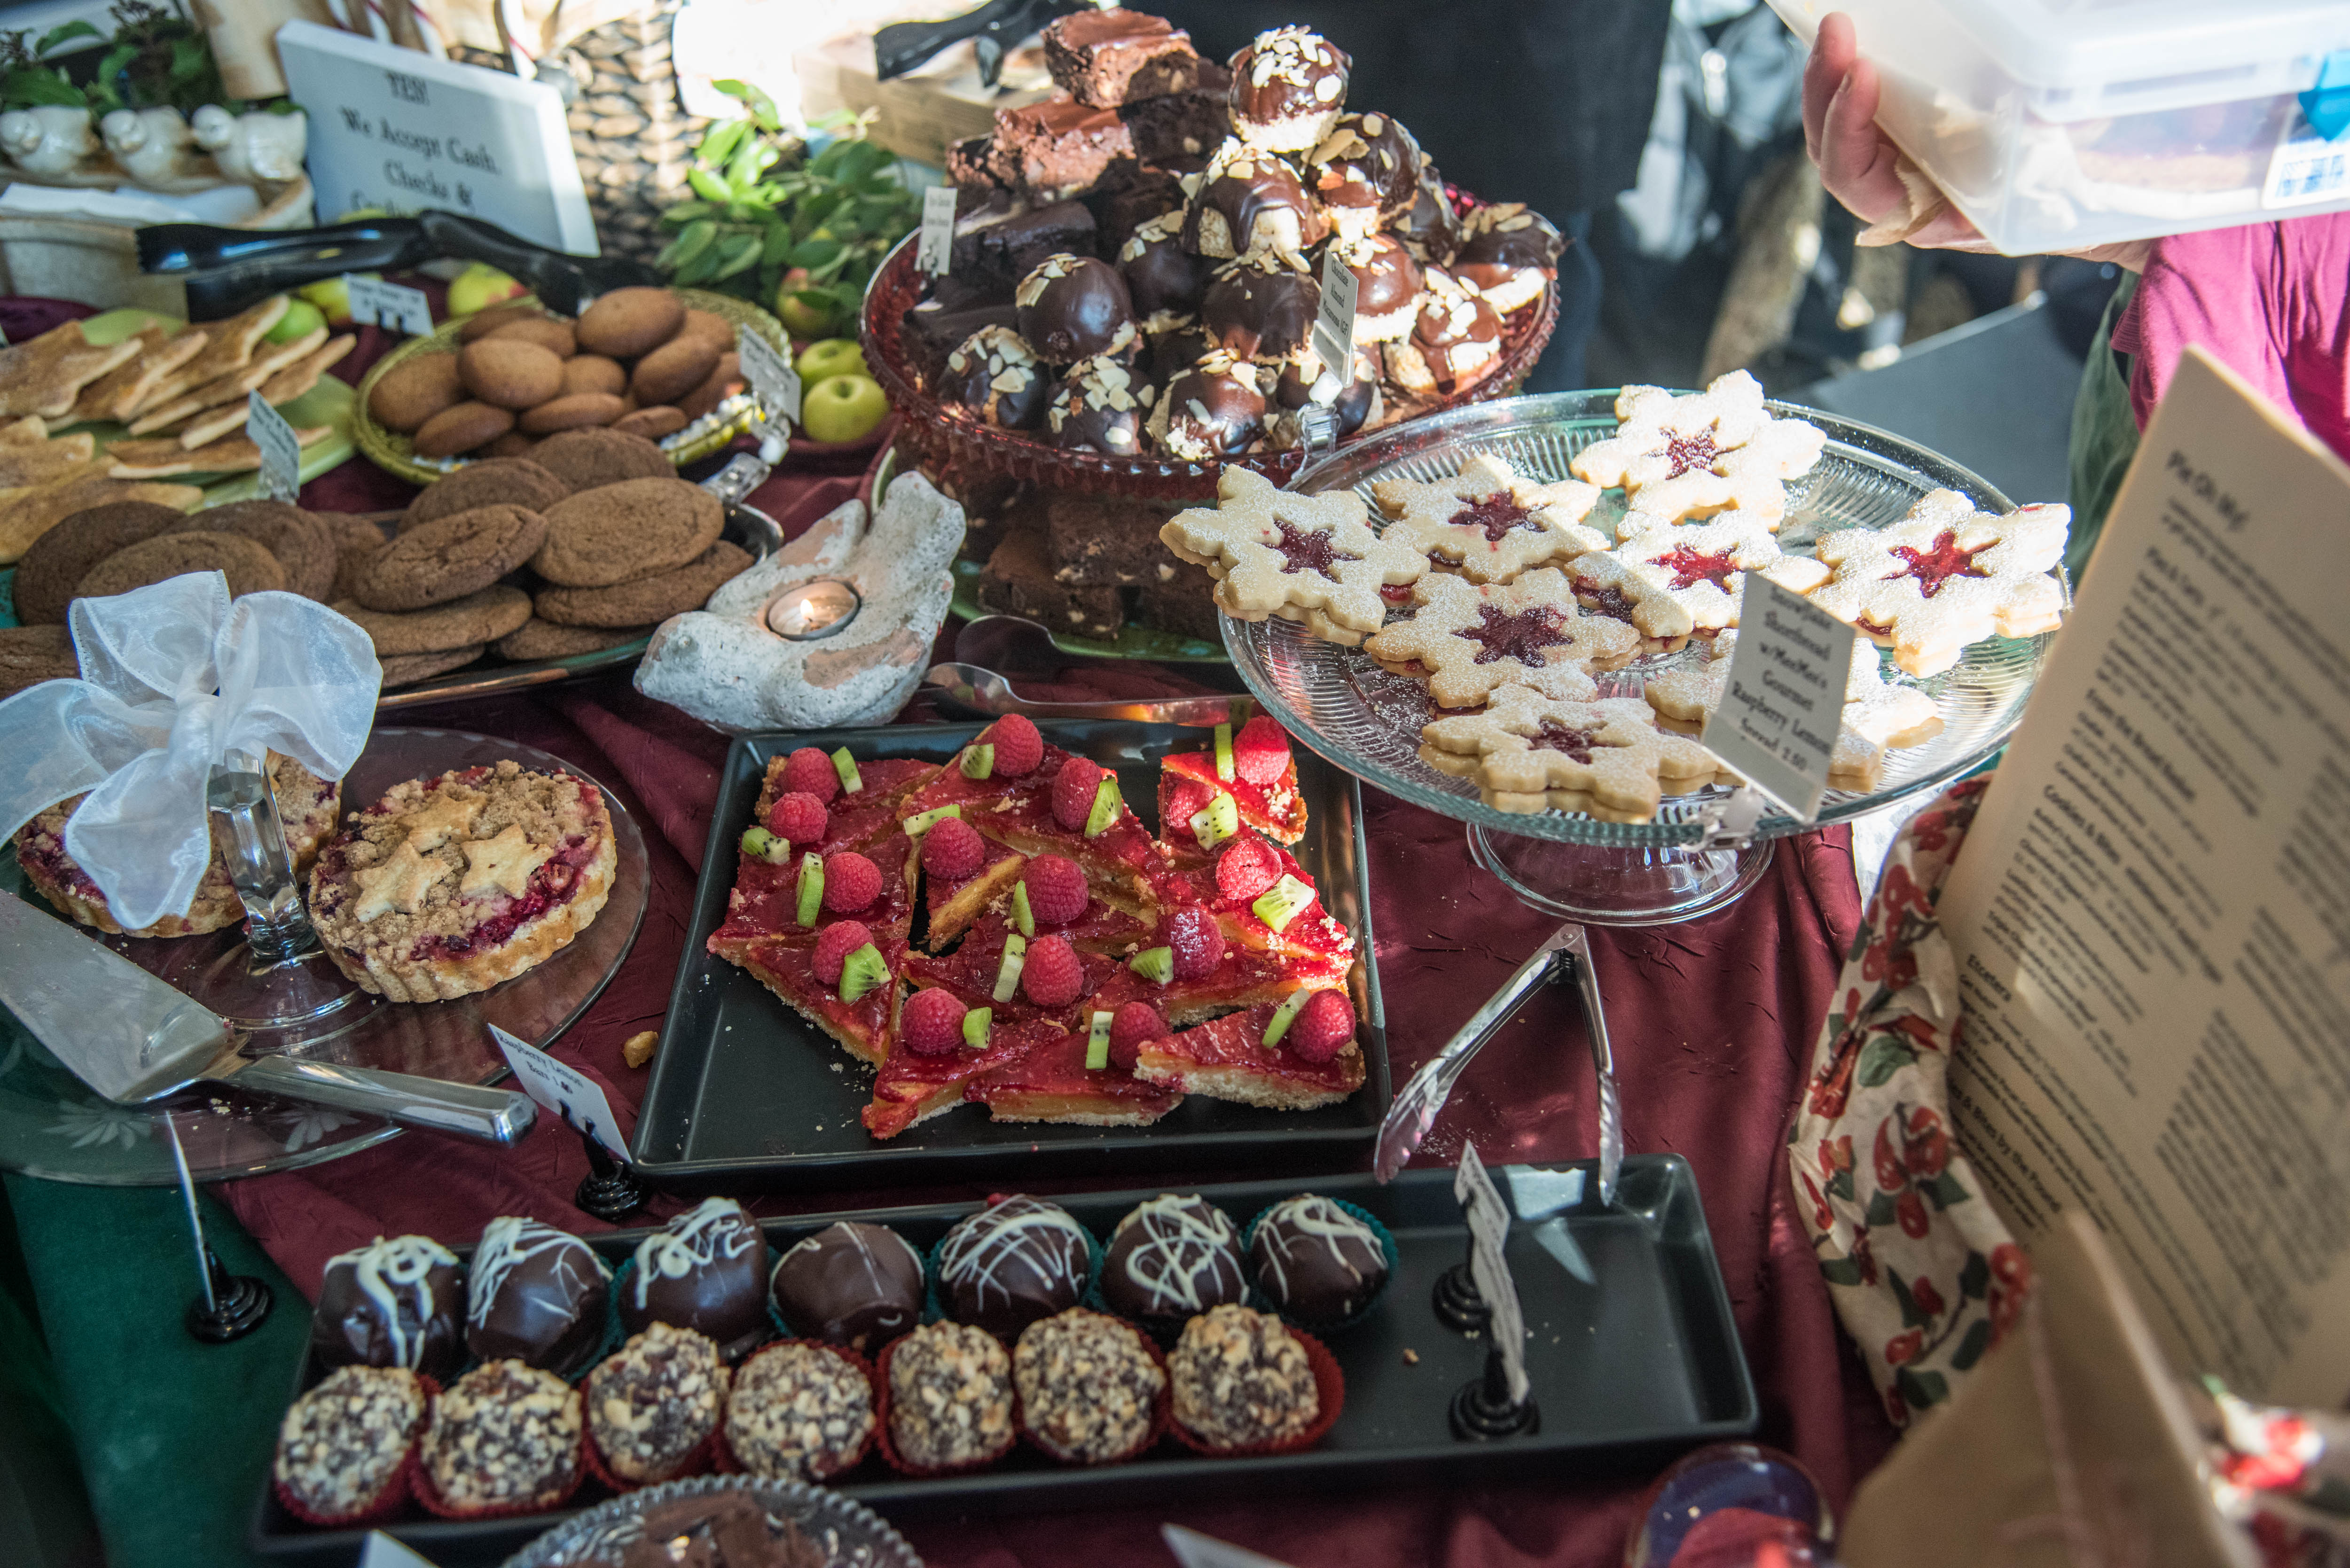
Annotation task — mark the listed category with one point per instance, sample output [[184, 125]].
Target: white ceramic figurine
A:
[[50, 138], [153, 145], [253, 148]]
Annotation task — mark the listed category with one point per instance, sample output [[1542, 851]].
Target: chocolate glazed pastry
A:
[[1073, 307], [1008, 1266], [536, 1295], [1212, 410], [995, 375], [707, 1271], [1260, 306], [1288, 85], [1457, 337], [1388, 281], [1367, 161], [1248, 200], [1161, 275], [852, 1284], [392, 1304], [1357, 401], [1100, 406]]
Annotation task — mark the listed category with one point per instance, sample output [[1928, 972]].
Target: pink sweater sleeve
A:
[[2271, 301]]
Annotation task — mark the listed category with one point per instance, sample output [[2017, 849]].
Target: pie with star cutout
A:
[[1308, 558], [1944, 577], [452, 885]]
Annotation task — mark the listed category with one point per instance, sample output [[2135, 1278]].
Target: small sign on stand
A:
[[1334, 325], [281, 449], [394, 305], [934, 252], [1782, 703], [610, 1190], [773, 381], [1500, 1403]]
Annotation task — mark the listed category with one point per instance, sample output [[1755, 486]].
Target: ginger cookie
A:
[[494, 481], [1278, 552], [544, 640], [408, 669], [555, 336], [573, 410], [286, 532], [54, 563], [1490, 521], [1944, 577], [1879, 714], [355, 538], [484, 616], [497, 317], [673, 369], [722, 383], [461, 427], [32, 654], [1694, 455], [1465, 640], [248, 566], [33, 514], [645, 599], [513, 443], [709, 325], [629, 322], [1529, 753], [509, 372], [449, 557], [584, 460], [651, 423], [594, 373], [633, 529]]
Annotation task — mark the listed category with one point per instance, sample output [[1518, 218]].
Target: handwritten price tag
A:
[[281, 451], [773, 381], [571, 1095], [1489, 1232], [935, 249], [1333, 326], [1784, 702], [391, 305]]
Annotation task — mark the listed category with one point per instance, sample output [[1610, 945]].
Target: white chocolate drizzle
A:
[[715, 1228], [509, 1243], [1184, 1251], [388, 1271], [1014, 1230], [1306, 1219]]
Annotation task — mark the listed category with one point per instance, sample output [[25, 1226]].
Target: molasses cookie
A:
[[283, 530], [594, 373], [481, 324], [508, 372], [627, 322], [633, 529], [645, 599], [586, 459], [549, 333], [544, 640], [412, 392], [496, 482], [56, 561], [461, 427], [724, 383], [449, 557], [652, 423], [575, 411], [32, 654], [408, 669], [356, 538], [513, 443], [470, 621], [673, 369], [709, 324], [249, 567]]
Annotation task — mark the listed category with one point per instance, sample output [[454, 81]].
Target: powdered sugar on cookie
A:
[[1467, 639], [1702, 452], [1311, 558], [1878, 715], [1491, 521], [1944, 577], [1529, 753], [1671, 580]]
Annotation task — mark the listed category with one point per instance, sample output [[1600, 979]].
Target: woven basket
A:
[[633, 139]]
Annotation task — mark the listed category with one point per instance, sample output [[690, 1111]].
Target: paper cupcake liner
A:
[[1329, 1387], [727, 1463], [387, 1503], [1162, 1414], [698, 1461], [934, 1308], [429, 1497], [898, 1461], [1263, 1303]]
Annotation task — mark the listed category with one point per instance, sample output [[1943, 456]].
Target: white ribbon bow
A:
[[174, 677]]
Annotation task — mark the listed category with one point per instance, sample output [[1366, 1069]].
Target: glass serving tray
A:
[[1339, 702]]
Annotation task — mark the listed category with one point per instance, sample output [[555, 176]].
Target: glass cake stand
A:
[[1339, 702], [52, 1125]]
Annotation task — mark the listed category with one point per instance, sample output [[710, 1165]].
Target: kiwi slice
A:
[[1283, 902], [1284, 1015], [1155, 965], [921, 822], [1107, 802], [1023, 915], [761, 845], [1008, 974], [979, 762], [1097, 1043], [861, 972], [974, 1027], [846, 766], [1218, 820], [1224, 754], [811, 888]]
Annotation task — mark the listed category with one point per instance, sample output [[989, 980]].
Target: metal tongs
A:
[[1566, 952], [992, 648]]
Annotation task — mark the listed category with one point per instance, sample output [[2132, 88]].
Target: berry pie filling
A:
[[1052, 1079], [1237, 1040], [1312, 932], [554, 881]]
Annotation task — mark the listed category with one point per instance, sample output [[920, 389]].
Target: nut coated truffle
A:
[[1100, 406], [995, 374], [1212, 410], [343, 1442], [798, 1413], [1088, 1386], [1240, 1380], [1072, 308], [950, 1396], [503, 1436], [654, 1402]]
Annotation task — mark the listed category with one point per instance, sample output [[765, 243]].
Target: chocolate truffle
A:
[[995, 374], [1509, 253], [798, 1413], [342, 1444], [536, 1294], [1212, 410], [950, 1396], [1240, 1380], [1100, 406], [1315, 1262], [1288, 88], [1161, 275], [1249, 199], [1388, 283], [1012, 1263], [505, 1436], [1172, 1258], [1072, 308], [707, 1271], [392, 1303], [852, 1284], [654, 1401], [1088, 1386], [1432, 230], [1357, 403], [1260, 306], [1455, 343], [1176, 343], [1365, 173]]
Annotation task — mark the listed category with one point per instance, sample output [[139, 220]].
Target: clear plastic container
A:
[[2055, 124]]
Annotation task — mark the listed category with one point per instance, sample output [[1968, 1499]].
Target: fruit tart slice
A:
[[1253, 770], [861, 867], [942, 1044], [996, 967], [1192, 973], [1262, 898], [1295, 1056], [962, 873], [1054, 1082], [845, 982], [1051, 896]]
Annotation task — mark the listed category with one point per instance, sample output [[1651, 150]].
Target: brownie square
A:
[[1179, 124], [1097, 542], [932, 332], [1057, 146], [998, 245], [970, 165], [1177, 600], [1018, 580], [1132, 196], [1108, 57]]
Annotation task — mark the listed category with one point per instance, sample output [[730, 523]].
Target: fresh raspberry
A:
[[1261, 751], [932, 1023], [1136, 1023], [1246, 867], [810, 772], [799, 817], [1056, 890], [1019, 749], [833, 946], [1074, 788], [1322, 1027], [1198, 941], [952, 848], [1185, 800], [1052, 977], [851, 882]]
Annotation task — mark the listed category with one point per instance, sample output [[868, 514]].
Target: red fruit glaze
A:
[[1322, 1027], [798, 816], [1134, 1023], [1198, 941], [952, 848], [1185, 801], [1261, 751], [1074, 788], [851, 882], [932, 1023], [833, 946], [1056, 890], [1052, 976], [1246, 867], [1018, 747], [810, 772]]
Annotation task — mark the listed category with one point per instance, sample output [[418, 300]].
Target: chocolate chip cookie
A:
[[586, 459], [249, 567], [32, 654], [286, 532], [618, 532], [493, 481], [449, 557], [544, 640], [57, 561], [652, 598], [476, 618]]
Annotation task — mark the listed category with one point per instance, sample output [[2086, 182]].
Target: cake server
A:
[[1566, 952], [133, 1039], [992, 648]]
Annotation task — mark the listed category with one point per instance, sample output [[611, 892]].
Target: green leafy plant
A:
[[770, 222], [157, 58], [25, 82]]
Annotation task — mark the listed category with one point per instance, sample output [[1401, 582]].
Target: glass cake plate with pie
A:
[[52, 1126]]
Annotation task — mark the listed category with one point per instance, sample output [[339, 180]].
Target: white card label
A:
[[393, 305], [773, 381], [2306, 168], [1489, 1233], [381, 1551], [281, 453], [1333, 326], [1784, 701], [569, 1093], [935, 249]]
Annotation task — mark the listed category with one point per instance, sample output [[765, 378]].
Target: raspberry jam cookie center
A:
[[1688, 453], [1938, 565], [1690, 566], [1497, 515], [1520, 635], [1311, 550], [1610, 600], [1557, 737]]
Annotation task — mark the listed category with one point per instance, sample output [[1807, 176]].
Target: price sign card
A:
[[281, 450], [1784, 701], [392, 305], [381, 1551], [1334, 328], [935, 249], [570, 1094], [773, 381], [1489, 1233]]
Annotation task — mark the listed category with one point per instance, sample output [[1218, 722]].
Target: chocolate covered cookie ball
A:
[[1388, 284], [852, 1284], [1161, 276], [1260, 306], [994, 376], [1455, 342], [1172, 1259], [1288, 88], [1073, 307], [1012, 1263], [1509, 253], [1315, 1262], [1431, 229], [1100, 406], [1356, 402], [707, 1271], [1210, 411], [536, 1295], [1250, 199], [397, 1302], [1365, 173]]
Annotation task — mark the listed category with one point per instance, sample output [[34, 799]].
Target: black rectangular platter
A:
[[745, 1093], [1643, 1361]]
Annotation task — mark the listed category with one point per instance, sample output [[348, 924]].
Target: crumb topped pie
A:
[[453, 885]]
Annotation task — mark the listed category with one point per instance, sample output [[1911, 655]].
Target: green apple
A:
[[478, 286], [301, 319], [827, 358], [800, 319], [843, 408], [332, 296]]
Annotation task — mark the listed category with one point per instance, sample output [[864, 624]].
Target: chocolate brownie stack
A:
[[1086, 564]]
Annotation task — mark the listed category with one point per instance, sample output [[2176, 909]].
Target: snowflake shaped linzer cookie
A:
[[1946, 577], [1529, 753], [1308, 558], [1669, 580], [1695, 454], [1490, 521], [1467, 639], [1878, 716]]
